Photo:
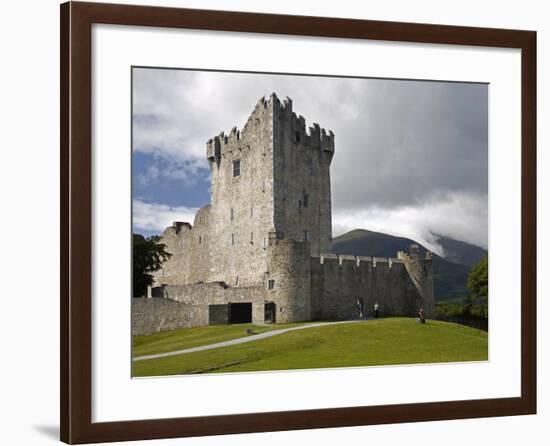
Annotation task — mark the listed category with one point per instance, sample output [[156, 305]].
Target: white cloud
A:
[[155, 217], [168, 168], [459, 216]]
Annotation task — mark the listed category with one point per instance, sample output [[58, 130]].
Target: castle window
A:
[[232, 214], [200, 239], [300, 206], [270, 284], [237, 280], [232, 239], [251, 211], [236, 168], [305, 235], [297, 136], [263, 185], [251, 237], [306, 200]]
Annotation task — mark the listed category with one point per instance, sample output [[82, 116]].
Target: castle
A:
[[260, 251]]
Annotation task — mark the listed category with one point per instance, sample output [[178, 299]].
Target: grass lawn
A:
[[368, 343], [169, 341]]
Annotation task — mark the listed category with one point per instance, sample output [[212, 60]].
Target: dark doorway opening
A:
[[240, 313], [157, 291], [269, 313]]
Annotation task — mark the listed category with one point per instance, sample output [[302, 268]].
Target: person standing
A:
[[376, 310], [421, 316]]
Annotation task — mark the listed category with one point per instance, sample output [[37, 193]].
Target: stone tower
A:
[[269, 179], [420, 271]]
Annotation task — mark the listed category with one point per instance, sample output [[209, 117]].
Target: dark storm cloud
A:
[[411, 142]]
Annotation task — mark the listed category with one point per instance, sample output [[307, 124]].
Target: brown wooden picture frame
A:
[[76, 221]]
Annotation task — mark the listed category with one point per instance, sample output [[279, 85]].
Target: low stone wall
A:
[[186, 306], [217, 293], [159, 314]]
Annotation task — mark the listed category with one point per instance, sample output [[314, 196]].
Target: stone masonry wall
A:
[[337, 282], [217, 293], [242, 205], [301, 178], [421, 273], [189, 246], [289, 270], [157, 314]]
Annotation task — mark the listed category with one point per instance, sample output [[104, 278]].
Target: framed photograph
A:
[[277, 222]]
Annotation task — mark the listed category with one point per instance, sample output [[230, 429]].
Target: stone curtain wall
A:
[[185, 306], [189, 246], [217, 293], [337, 282], [158, 314]]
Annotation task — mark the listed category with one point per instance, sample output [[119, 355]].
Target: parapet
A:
[[413, 254], [213, 149], [202, 216], [314, 136], [177, 226], [327, 256], [340, 259], [345, 257]]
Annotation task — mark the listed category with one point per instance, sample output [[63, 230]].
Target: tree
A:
[[478, 284], [148, 256]]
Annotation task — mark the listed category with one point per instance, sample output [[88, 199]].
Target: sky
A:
[[411, 157]]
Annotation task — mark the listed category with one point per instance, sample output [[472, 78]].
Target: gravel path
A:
[[237, 341]]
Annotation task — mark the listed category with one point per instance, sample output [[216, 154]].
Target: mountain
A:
[[460, 252], [449, 277]]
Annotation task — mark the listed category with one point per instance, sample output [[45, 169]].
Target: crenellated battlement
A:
[[312, 136], [177, 227], [348, 260], [240, 139], [264, 113]]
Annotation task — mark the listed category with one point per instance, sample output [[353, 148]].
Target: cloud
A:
[[400, 145], [457, 215], [163, 168], [155, 217]]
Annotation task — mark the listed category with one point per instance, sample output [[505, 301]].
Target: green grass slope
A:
[[183, 338], [367, 343]]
